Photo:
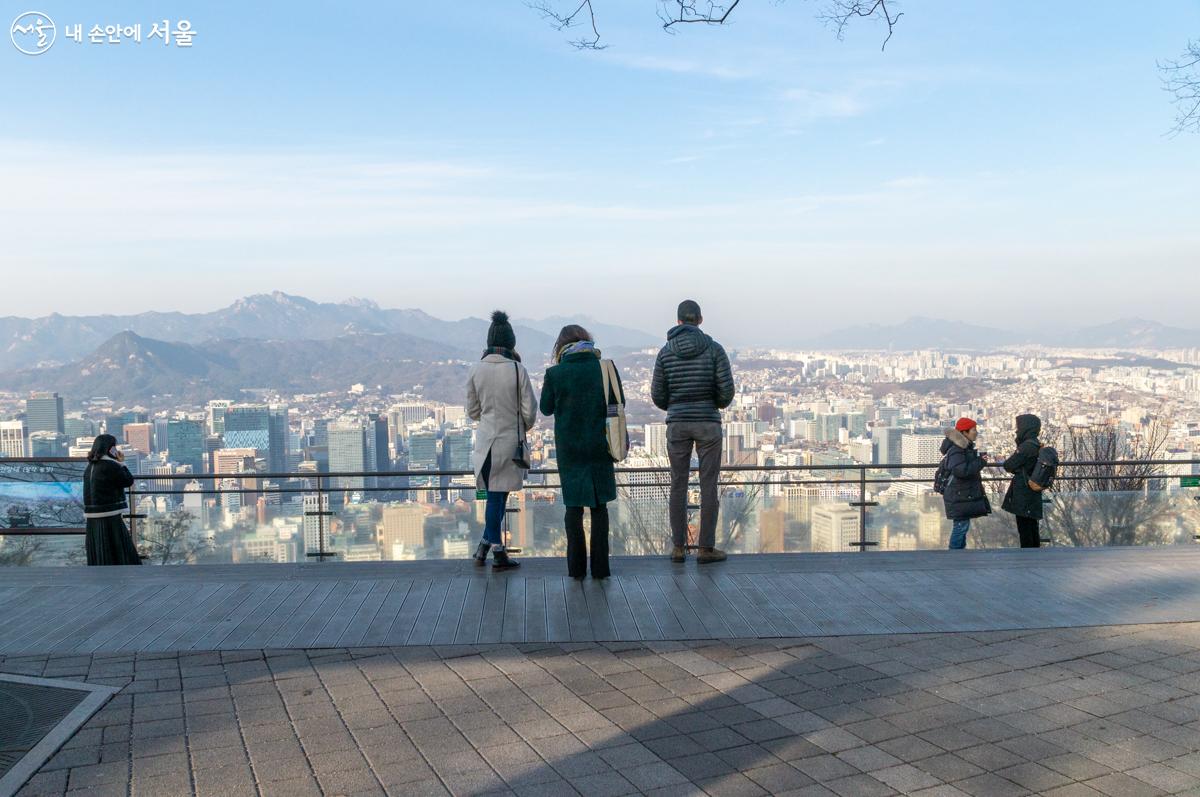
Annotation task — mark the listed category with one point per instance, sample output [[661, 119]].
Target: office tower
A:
[[348, 453], [159, 436], [185, 443], [377, 442], [320, 437], [887, 416], [827, 426], [918, 449], [401, 529], [248, 426], [48, 444], [277, 438], [456, 450], [114, 424], [139, 436], [44, 413], [887, 447], [422, 451], [216, 415], [856, 423], [12, 439], [78, 426], [835, 527], [656, 440], [234, 460], [316, 526]]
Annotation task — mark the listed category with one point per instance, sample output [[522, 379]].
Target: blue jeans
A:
[[493, 517], [958, 534]]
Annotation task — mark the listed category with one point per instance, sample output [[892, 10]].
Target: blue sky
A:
[[1002, 163]]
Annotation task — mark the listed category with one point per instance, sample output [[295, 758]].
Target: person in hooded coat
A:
[[1021, 499], [965, 497], [105, 480], [499, 396]]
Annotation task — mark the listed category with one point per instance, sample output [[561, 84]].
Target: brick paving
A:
[[1068, 712]]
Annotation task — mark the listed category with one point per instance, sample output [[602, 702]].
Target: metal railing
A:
[[868, 482]]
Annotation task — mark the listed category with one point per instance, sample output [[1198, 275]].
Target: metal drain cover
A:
[[37, 715]]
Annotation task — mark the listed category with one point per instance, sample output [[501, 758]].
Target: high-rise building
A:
[[12, 439], [348, 452], [886, 441], [277, 438], [114, 424], [248, 426], [44, 413], [315, 525], [835, 527], [656, 440], [422, 451], [185, 443], [401, 529], [456, 450], [234, 460], [139, 436], [216, 415], [48, 444], [78, 426], [917, 449], [377, 442]]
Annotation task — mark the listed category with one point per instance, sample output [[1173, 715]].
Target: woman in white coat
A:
[[500, 397]]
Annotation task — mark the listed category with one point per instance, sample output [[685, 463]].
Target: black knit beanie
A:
[[500, 333]]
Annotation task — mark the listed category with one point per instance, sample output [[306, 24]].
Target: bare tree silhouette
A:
[[1181, 79]]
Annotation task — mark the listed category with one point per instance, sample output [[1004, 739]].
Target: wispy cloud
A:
[[814, 104], [682, 66]]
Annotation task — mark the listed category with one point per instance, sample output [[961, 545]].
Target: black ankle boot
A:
[[500, 560], [481, 553]]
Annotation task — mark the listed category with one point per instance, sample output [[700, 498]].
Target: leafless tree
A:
[[20, 551], [1108, 503], [676, 13], [1181, 79], [169, 540]]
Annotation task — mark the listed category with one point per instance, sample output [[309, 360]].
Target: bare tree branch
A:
[[841, 12], [1181, 79], [565, 21], [680, 12]]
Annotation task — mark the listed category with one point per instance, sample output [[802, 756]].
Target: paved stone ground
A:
[[1069, 712]]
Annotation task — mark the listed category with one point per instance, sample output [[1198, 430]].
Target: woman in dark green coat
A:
[[573, 392]]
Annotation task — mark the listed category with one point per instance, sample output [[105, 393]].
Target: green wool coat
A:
[[573, 392]]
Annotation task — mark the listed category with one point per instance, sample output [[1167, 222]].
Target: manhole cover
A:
[[36, 716]]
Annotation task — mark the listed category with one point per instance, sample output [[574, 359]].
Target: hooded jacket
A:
[[692, 378], [1020, 499], [964, 497], [104, 485]]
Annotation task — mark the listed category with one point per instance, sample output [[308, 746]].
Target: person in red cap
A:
[[961, 480]]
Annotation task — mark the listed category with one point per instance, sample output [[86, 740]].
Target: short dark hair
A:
[[689, 312], [571, 333]]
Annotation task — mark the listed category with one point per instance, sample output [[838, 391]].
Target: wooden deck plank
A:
[[257, 636], [358, 626], [300, 614], [340, 617], [513, 629], [427, 616], [472, 612], [599, 613], [624, 625], [172, 633], [495, 598], [536, 628], [45, 635], [447, 623], [558, 628], [245, 630], [666, 620]]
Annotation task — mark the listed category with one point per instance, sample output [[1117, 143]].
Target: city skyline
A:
[[979, 168]]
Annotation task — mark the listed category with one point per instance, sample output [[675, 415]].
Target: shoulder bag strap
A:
[[520, 415]]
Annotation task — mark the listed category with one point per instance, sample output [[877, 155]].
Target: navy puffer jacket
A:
[[692, 378]]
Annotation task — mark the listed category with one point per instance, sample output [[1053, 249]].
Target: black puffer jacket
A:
[[104, 485], [692, 377], [964, 496], [1020, 499]]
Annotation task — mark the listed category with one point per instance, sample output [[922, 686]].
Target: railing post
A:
[[862, 503]]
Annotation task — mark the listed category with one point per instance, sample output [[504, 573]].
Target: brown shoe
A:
[[678, 554], [708, 555]]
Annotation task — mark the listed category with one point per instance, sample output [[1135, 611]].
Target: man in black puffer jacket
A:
[[693, 383], [965, 497]]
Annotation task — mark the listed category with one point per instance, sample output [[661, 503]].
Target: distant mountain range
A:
[[58, 339], [932, 333]]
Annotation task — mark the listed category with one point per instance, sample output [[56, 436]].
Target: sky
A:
[[1007, 164]]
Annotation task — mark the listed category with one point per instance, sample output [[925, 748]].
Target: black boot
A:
[[481, 553], [500, 560]]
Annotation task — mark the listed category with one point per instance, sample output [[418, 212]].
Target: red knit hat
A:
[[965, 425]]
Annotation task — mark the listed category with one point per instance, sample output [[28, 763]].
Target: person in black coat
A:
[[105, 480], [964, 496], [573, 392], [693, 382], [1021, 499]]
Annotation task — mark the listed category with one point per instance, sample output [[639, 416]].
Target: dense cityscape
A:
[[803, 426]]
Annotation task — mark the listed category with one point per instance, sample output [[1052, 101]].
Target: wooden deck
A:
[[90, 610]]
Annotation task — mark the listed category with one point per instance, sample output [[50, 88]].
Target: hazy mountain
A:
[[915, 333], [57, 339], [607, 336], [1134, 333], [129, 367]]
